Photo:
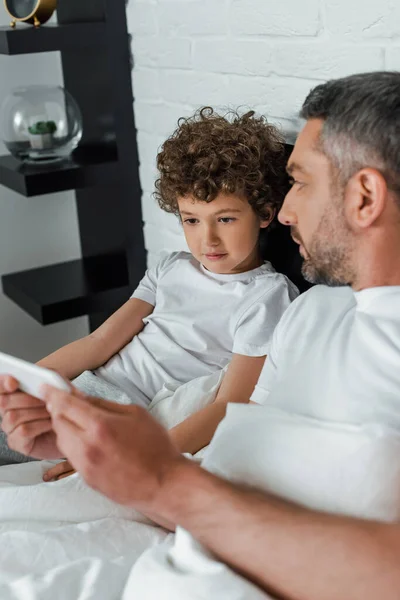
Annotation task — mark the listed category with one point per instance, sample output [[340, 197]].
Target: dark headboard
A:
[[279, 248]]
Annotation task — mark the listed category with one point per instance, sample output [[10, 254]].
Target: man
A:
[[335, 357]]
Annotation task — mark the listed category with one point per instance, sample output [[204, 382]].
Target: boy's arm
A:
[[95, 349], [238, 383]]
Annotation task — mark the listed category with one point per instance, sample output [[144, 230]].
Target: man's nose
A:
[[287, 215]]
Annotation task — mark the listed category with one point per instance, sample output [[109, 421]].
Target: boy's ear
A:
[[269, 216]]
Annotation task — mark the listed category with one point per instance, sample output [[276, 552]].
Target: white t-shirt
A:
[[199, 319], [336, 356]]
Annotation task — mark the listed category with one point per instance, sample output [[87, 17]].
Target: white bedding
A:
[[64, 541], [62, 533]]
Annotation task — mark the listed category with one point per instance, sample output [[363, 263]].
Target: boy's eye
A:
[[226, 219], [191, 221]]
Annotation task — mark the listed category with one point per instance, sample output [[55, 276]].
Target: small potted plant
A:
[[41, 134]]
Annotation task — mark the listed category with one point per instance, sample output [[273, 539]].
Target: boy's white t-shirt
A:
[[200, 319]]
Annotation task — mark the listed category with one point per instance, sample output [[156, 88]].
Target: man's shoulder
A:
[[324, 293], [317, 304]]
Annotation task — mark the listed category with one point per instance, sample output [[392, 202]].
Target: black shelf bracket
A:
[[86, 170]]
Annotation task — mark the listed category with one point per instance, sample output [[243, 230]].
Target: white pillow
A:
[[334, 467]]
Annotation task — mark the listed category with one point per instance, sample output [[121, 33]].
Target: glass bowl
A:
[[40, 123]]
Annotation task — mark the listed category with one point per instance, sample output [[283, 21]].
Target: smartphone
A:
[[31, 377]]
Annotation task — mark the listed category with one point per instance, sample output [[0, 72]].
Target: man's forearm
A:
[[291, 552]]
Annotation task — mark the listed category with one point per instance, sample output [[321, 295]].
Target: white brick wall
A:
[[243, 53]]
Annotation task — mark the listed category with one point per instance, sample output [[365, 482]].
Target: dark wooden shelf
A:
[[88, 167], [94, 46], [70, 289], [25, 39]]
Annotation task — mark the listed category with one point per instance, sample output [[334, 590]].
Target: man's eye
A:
[[293, 182], [226, 219], [191, 221]]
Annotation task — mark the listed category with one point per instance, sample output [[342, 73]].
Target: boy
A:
[[197, 312]]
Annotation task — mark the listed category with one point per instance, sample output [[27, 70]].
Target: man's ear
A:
[[365, 198], [269, 216]]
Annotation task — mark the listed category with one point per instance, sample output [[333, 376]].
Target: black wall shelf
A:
[[26, 39], [70, 289], [86, 170], [93, 39]]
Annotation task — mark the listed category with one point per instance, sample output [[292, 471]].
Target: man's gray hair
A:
[[361, 128]]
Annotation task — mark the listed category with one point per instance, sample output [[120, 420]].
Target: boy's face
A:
[[222, 234]]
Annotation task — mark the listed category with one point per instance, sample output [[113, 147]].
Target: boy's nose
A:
[[210, 237]]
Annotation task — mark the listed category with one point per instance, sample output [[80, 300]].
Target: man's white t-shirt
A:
[[336, 356], [199, 320]]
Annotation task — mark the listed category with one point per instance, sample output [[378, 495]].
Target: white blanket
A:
[[64, 540], [56, 534]]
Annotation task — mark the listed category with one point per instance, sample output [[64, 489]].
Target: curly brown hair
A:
[[209, 153]]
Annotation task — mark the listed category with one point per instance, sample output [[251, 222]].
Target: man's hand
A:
[[26, 422], [120, 451]]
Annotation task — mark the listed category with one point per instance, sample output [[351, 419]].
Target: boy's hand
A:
[[26, 422], [59, 471]]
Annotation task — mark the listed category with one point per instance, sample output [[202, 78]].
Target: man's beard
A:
[[326, 267], [328, 258]]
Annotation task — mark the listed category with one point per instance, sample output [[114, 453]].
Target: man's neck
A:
[[379, 263]]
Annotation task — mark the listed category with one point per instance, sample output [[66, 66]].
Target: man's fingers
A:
[[8, 384], [64, 399], [23, 437], [14, 418], [18, 400], [72, 441], [80, 412]]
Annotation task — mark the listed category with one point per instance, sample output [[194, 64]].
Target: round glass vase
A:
[[40, 123]]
